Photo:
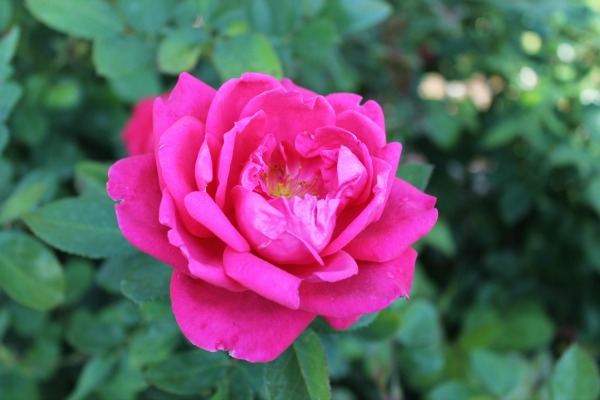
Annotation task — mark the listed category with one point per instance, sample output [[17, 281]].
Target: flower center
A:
[[281, 183]]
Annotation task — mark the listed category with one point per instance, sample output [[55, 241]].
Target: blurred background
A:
[[496, 103]]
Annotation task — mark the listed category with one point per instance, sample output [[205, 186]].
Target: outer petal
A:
[[133, 180], [192, 97], [177, 154], [137, 133], [408, 216], [262, 277], [232, 97], [337, 267], [375, 287], [342, 323], [349, 101], [292, 87], [288, 114], [247, 325]]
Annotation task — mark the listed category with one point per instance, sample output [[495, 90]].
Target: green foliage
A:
[[500, 96]]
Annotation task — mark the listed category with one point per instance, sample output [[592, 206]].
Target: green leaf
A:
[[385, 326], [592, 194], [8, 44], [138, 276], [79, 275], [441, 239], [314, 42], [79, 226], [90, 179], [95, 372], [246, 53], [188, 373], [180, 50], [300, 372], [149, 16], [154, 343], [443, 129], [87, 19], [416, 174], [498, 374], [356, 15], [575, 376], [90, 335], [33, 189], [10, 93], [141, 83], [17, 386], [122, 56], [29, 272], [454, 390], [419, 324], [525, 327]]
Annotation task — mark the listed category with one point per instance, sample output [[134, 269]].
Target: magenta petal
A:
[[292, 87], [238, 144], [365, 129], [205, 256], [249, 326], [353, 220], [408, 216], [349, 101], [262, 277], [375, 287], [133, 180], [177, 154], [232, 97], [342, 323], [137, 133], [192, 97], [338, 266], [204, 210], [288, 114]]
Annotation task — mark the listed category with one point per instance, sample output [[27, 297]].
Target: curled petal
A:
[[192, 97], [137, 133], [375, 287], [249, 326], [232, 97], [349, 101], [134, 182], [337, 267], [364, 128], [408, 216], [204, 210], [262, 277], [204, 255], [265, 228], [177, 154]]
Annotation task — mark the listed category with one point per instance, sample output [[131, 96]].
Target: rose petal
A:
[[249, 326], [177, 154], [342, 323], [133, 180], [354, 220], [408, 216], [262, 277], [292, 87], [375, 287], [349, 101], [205, 256], [191, 96], [204, 210], [238, 144], [232, 97], [338, 266], [137, 133], [364, 128], [288, 114]]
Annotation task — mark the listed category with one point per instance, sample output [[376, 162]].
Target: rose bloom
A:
[[273, 205]]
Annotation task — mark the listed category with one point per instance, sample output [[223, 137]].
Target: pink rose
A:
[[273, 205], [137, 133]]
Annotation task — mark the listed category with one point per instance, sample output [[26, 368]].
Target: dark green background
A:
[[496, 102]]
